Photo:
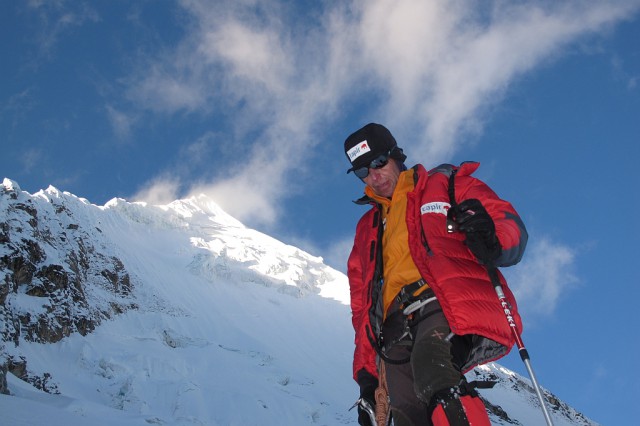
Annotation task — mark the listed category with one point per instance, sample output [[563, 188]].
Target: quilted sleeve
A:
[[510, 229]]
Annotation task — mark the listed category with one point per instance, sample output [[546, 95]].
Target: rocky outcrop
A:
[[52, 268]]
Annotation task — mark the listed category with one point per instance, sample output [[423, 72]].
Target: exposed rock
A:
[[51, 271], [3, 379]]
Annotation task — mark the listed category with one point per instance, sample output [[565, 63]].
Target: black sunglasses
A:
[[378, 162]]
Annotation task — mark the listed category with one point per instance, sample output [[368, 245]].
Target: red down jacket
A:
[[460, 283]]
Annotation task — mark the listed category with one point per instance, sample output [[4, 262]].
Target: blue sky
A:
[[250, 102]]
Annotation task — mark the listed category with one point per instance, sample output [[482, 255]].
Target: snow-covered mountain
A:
[[133, 314]]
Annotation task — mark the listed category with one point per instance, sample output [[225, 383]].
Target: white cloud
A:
[[168, 91], [543, 277], [430, 69], [255, 55], [160, 191], [121, 122], [442, 64], [243, 197]]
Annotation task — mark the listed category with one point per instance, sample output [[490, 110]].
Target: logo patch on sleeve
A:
[[358, 150], [435, 207]]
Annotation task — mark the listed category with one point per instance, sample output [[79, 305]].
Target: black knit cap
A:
[[369, 142]]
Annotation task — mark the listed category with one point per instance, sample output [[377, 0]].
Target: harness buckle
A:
[[405, 295]]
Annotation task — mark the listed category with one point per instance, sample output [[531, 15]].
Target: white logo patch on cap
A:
[[358, 150]]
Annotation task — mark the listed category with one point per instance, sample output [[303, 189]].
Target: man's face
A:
[[383, 180]]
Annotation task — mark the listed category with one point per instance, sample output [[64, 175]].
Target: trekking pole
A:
[[524, 354]]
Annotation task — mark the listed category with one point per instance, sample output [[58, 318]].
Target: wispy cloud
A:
[[121, 122], [17, 106], [620, 71], [444, 64], [544, 277], [56, 18], [430, 69], [32, 158], [162, 190]]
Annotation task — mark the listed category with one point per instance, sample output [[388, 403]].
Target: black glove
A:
[[472, 218], [367, 402]]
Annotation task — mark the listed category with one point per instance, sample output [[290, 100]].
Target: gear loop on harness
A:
[[417, 305]]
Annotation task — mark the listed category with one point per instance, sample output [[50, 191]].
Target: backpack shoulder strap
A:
[[451, 213]]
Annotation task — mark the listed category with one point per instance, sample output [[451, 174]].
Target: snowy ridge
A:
[[515, 394], [188, 318]]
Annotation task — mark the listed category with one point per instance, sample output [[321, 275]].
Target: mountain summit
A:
[[134, 314]]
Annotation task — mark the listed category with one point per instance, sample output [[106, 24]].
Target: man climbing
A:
[[424, 309]]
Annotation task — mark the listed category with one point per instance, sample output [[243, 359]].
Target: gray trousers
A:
[[431, 367]]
